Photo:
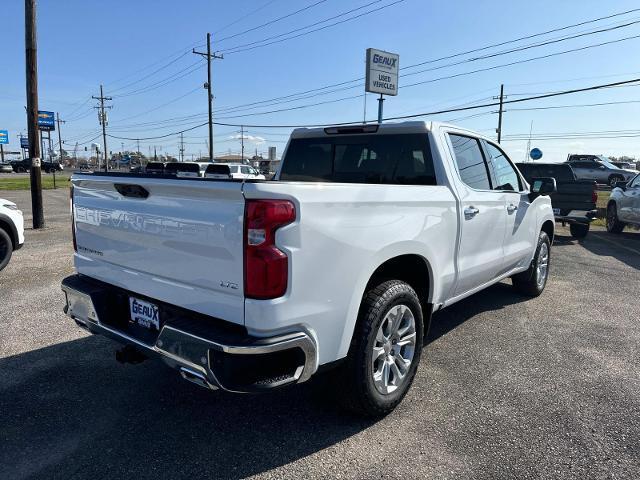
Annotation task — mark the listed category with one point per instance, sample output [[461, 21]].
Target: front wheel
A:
[[532, 281], [385, 350], [6, 248], [579, 230], [613, 224]]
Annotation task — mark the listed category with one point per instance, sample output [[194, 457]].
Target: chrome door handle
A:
[[512, 208], [471, 211]]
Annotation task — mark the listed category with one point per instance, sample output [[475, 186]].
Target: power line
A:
[[486, 69], [552, 107], [526, 37], [253, 45], [162, 105], [244, 16], [447, 57], [404, 117], [271, 22], [447, 77], [165, 81], [151, 74]]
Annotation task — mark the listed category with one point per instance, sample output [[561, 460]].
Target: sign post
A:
[[4, 140], [382, 75]]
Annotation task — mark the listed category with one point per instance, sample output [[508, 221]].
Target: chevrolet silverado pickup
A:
[[335, 266]]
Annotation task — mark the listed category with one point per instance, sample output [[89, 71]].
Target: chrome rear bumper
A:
[[207, 362]]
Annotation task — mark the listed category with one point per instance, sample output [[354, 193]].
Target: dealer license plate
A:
[[556, 211], [145, 314]]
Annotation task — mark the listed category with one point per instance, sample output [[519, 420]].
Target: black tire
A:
[[579, 230], [354, 378], [528, 282], [20, 170], [613, 224], [615, 178], [6, 248]]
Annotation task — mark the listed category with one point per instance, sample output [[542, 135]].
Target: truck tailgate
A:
[[182, 243], [576, 195]]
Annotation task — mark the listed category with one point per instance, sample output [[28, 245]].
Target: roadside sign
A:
[[24, 142], [4, 137], [46, 121], [382, 72], [535, 154]]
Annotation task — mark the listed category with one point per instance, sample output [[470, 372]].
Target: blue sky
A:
[[140, 51]]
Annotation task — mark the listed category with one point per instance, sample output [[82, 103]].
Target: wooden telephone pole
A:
[[103, 121], [31, 54], [499, 129], [209, 56]]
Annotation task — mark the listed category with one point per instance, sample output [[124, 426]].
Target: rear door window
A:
[[470, 161], [506, 175], [391, 159]]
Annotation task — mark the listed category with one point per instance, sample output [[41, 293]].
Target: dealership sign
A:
[[4, 137], [46, 121], [382, 72]]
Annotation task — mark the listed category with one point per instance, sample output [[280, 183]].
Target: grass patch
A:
[[24, 183], [603, 199]]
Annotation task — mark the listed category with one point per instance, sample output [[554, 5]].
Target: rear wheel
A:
[[579, 230], [613, 224], [385, 350], [534, 279], [6, 248]]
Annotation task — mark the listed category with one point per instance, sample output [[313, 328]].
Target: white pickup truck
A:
[[337, 264]]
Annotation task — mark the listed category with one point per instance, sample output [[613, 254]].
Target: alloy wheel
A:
[[393, 349]]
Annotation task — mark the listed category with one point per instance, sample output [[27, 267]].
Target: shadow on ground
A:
[[70, 409], [624, 247]]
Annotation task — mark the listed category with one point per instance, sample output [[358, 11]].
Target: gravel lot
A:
[[508, 388]]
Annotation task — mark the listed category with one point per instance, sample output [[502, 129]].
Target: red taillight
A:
[[73, 222], [266, 268], [594, 194]]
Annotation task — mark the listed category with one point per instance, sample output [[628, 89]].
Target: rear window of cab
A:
[[403, 159]]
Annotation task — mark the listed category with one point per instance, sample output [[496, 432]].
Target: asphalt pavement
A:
[[508, 387]]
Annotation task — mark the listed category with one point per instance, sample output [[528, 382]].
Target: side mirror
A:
[[602, 167], [621, 185], [542, 186]]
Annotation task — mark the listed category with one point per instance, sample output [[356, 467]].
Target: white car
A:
[[338, 264], [11, 230], [624, 206], [220, 171]]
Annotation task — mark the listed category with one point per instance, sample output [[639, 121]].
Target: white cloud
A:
[[249, 138]]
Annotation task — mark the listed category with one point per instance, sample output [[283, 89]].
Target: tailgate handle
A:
[[131, 190]]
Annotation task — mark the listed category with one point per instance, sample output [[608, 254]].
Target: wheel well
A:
[[7, 228], [548, 227], [412, 269]]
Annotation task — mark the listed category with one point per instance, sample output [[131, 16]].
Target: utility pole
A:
[[138, 144], [155, 154], [242, 142], [60, 135], [182, 147], [210, 56], [499, 129], [31, 57], [102, 117]]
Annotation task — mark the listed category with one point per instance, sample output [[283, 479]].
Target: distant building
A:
[[231, 158]]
